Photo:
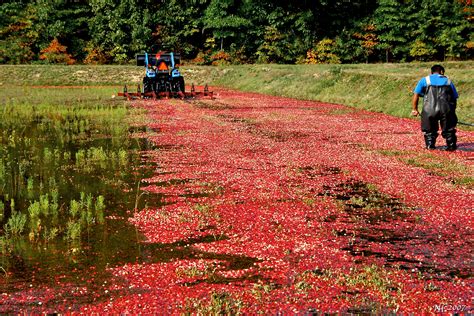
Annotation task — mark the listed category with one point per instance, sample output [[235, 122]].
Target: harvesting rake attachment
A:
[[140, 94], [162, 79]]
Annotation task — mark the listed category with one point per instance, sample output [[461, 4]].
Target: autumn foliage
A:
[[56, 53], [323, 53], [220, 58], [95, 56]]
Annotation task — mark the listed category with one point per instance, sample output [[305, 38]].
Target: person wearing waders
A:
[[439, 106]]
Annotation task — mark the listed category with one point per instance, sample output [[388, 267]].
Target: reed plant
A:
[[3, 175], [99, 209], [73, 230], [30, 187], [50, 234], [54, 205], [75, 208], [2, 210], [15, 224], [44, 204], [34, 211]]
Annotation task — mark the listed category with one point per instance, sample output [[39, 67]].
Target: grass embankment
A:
[[383, 88]]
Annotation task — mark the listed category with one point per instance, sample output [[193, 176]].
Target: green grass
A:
[[383, 88], [456, 173], [38, 75]]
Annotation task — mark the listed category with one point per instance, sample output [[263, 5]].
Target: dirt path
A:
[[276, 204]]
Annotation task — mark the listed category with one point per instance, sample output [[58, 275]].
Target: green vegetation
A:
[[15, 224], [218, 303], [457, 173], [383, 88], [62, 151], [81, 76], [228, 31], [370, 277]]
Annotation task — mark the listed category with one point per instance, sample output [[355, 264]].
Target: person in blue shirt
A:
[[439, 107]]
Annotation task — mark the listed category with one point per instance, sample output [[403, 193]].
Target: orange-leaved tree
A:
[[95, 55], [56, 53]]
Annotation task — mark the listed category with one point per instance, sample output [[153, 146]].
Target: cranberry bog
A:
[[243, 204]]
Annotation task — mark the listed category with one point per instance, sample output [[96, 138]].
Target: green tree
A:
[[276, 31], [446, 29], [367, 38], [396, 23], [120, 28], [288, 34], [221, 18], [420, 51], [17, 33], [348, 23], [275, 46], [66, 21], [348, 48], [176, 26], [323, 53]]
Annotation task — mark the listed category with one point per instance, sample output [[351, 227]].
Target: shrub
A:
[[56, 53], [16, 224], [73, 231], [420, 51], [323, 53], [202, 59], [95, 55], [220, 58]]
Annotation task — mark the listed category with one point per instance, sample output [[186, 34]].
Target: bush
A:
[[16, 224], [56, 53], [202, 59], [323, 53], [95, 56], [220, 58], [420, 51]]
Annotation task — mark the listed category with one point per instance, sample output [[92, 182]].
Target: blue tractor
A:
[[162, 74], [162, 78]]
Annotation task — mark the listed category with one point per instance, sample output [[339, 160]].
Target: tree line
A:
[[237, 31]]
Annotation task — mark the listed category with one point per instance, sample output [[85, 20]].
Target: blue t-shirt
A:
[[436, 80]]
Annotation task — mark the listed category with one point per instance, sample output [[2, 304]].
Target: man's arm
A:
[[455, 92], [418, 92], [414, 103]]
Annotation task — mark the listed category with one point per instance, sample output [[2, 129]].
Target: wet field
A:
[[69, 175]]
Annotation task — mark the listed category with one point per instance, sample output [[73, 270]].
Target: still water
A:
[[83, 176]]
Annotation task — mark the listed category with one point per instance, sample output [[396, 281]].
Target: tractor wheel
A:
[[181, 84], [147, 85], [177, 84]]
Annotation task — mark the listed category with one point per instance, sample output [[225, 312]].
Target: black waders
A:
[[439, 105]]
